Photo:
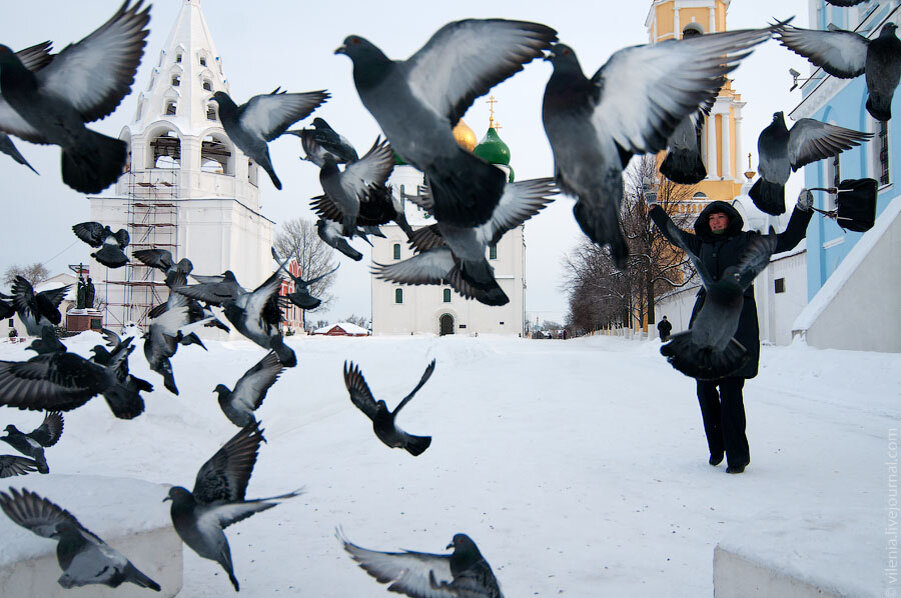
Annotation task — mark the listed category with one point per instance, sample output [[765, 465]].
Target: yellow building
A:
[[721, 137]]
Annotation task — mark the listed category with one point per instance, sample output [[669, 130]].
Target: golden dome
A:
[[465, 136]]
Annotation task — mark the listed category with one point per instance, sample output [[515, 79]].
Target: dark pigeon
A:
[[8, 148], [34, 58], [301, 296], [123, 397], [783, 151], [111, 244], [48, 343], [457, 255], [418, 102], [383, 420], [33, 444], [709, 350], [37, 310], [84, 558], [239, 404], [462, 574], [323, 142], [631, 105], [846, 55], [13, 465], [218, 500], [171, 324], [7, 310], [161, 259], [83, 83], [330, 233], [264, 117]]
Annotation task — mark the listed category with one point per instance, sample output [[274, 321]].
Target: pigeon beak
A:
[[341, 50], [549, 55], [449, 546], [167, 498]]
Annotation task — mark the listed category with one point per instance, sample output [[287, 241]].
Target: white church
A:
[[187, 188]]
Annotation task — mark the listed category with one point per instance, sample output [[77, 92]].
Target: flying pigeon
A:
[[359, 182], [37, 310], [218, 500], [161, 259], [33, 444], [301, 296], [255, 314], [846, 55], [83, 83], [782, 151], [457, 255], [123, 397], [382, 419], [418, 102], [171, 324], [7, 310], [322, 141], [239, 404], [111, 244], [330, 233], [48, 343], [708, 350], [630, 106], [463, 574], [263, 118], [12, 465], [84, 558], [34, 58]]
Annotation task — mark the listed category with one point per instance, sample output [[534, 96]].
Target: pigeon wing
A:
[[645, 91], [97, 72], [251, 388], [428, 267], [755, 257], [224, 477], [155, 258], [425, 378], [48, 433], [36, 57], [840, 53], [33, 58], [464, 59], [810, 140], [55, 296], [216, 293], [270, 115], [519, 202], [38, 514], [426, 238], [675, 235], [370, 171], [325, 207], [122, 238], [13, 465], [416, 574], [360, 395], [92, 233]]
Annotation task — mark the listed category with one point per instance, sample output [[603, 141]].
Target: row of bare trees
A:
[[600, 295]]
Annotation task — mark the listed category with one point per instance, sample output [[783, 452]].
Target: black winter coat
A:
[[718, 252]]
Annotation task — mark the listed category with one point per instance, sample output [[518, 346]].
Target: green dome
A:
[[492, 149]]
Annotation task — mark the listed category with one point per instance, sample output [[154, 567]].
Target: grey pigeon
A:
[[161, 259], [454, 255], [464, 573], [83, 83], [34, 58], [846, 55], [301, 296], [123, 397], [239, 404], [218, 500], [782, 151], [383, 423], [84, 558], [708, 350], [13, 465], [264, 117], [171, 324], [631, 105], [418, 102], [48, 343], [37, 310], [323, 141], [33, 443], [111, 244], [330, 233]]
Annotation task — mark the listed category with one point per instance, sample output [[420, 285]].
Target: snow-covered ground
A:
[[579, 467]]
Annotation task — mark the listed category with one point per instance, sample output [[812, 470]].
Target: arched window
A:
[[210, 112], [447, 295], [203, 61], [215, 155], [178, 57], [166, 150], [691, 29], [397, 251], [170, 107], [176, 80], [398, 295], [252, 175], [208, 85]]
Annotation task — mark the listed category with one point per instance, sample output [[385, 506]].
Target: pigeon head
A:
[[888, 29], [225, 102], [221, 389], [11, 429], [8, 57], [561, 54], [466, 553], [778, 116], [318, 122], [177, 493], [370, 63]]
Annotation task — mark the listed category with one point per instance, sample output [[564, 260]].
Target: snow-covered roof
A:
[[345, 326]]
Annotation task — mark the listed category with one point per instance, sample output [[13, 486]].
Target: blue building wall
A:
[[827, 243]]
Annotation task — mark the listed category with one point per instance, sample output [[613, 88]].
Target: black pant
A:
[[724, 418]]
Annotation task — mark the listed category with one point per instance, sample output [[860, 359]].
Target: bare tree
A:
[[315, 258], [34, 273], [360, 321]]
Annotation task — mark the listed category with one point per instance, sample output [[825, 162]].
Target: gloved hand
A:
[[651, 199], [805, 200]]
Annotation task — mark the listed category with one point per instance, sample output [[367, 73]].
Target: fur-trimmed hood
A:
[[702, 224]]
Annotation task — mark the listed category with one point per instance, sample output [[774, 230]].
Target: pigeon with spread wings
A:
[[111, 243], [33, 443]]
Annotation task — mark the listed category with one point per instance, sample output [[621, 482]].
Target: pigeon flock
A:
[[644, 99]]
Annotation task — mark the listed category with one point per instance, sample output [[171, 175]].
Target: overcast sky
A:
[[290, 44]]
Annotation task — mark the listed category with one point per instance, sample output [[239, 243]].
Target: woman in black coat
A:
[[719, 242]]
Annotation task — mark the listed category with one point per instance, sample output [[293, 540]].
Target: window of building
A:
[[252, 173], [176, 80], [202, 61], [398, 295], [208, 85], [447, 295], [12, 322], [492, 252], [780, 285], [178, 58], [397, 251], [883, 174], [833, 178], [170, 107], [211, 112], [501, 323]]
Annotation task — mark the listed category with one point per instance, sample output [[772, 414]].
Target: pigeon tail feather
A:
[[769, 197], [602, 227], [135, 576], [123, 404], [701, 362], [285, 354], [465, 189], [880, 107], [683, 167], [416, 445], [94, 163]]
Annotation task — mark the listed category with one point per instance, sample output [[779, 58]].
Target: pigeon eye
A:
[[355, 40]]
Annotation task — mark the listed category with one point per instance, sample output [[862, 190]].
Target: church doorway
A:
[[446, 324]]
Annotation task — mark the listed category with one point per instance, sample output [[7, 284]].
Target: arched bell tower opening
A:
[[445, 324]]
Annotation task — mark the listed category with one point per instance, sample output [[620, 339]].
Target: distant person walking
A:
[[664, 328]]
